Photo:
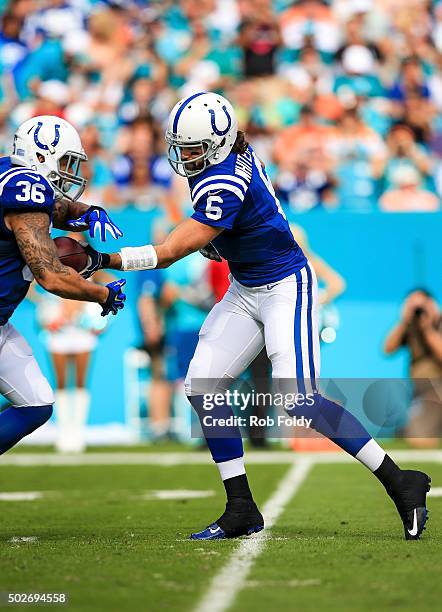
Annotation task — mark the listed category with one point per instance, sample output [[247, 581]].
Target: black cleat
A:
[[241, 517], [409, 496]]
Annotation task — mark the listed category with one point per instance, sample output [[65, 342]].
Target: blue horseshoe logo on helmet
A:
[[54, 143], [212, 121]]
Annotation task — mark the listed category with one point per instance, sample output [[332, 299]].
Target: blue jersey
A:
[[257, 242], [21, 189]]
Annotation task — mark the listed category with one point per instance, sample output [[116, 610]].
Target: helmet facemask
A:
[[68, 175], [194, 165]]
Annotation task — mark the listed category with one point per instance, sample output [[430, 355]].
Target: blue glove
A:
[[115, 299], [96, 218], [96, 260]]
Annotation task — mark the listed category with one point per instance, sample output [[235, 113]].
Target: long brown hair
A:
[[241, 143]]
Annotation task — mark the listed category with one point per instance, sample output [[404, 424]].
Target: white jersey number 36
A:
[[30, 191], [214, 212]]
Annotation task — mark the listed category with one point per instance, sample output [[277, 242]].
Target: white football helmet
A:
[[205, 120], [51, 146]]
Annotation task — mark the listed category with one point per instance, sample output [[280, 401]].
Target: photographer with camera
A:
[[420, 331]]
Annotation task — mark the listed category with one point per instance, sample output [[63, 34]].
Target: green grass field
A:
[[99, 535]]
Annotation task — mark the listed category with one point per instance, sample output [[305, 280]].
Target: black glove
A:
[[210, 252], [96, 260], [115, 299]]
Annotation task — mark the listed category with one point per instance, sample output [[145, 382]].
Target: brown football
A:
[[71, 253]]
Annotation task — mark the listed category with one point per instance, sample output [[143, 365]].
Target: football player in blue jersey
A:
[[40, 184], [271, 302]]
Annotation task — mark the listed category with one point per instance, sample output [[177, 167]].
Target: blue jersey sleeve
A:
[[219, 207], [28, 192]]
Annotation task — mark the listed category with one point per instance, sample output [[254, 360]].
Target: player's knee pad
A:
[[44, 394], [198, 383], [23, 383]]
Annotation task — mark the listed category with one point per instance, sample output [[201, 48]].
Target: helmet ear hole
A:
[[40, 157]]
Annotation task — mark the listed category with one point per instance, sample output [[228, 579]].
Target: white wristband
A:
[[138, 258]]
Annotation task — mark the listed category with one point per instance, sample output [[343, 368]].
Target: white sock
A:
[[231, 468], [371, 455]]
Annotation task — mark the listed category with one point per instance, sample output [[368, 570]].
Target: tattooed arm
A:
[[31, 231], [64, 211]]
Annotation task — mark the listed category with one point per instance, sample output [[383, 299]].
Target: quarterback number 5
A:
[[31, 191], [214, 212]]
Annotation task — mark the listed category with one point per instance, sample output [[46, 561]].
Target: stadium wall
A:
[[381, 256]]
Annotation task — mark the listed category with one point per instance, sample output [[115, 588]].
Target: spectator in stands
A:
[[420, 332], [292, 141], [50, 98], [100, 186], [355, 35], [274, 106], [306, 185], [138, 101], [418, 114], [142, 173], [407, 196], [352, 146], [411, 81], [311, 79], [119, 68], [311, 18], [402, 151], [53, 19], [359, 74], [260, 39], [12, 49], [45, 62]]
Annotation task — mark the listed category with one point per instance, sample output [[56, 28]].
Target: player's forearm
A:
[[76, 209], [31, 231], [68, 284], [168, 254], [185, 239], [188, 237], [65, 210]]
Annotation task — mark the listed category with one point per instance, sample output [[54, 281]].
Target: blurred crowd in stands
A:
[[342, 99]]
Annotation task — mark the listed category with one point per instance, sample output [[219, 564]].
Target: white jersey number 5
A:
[[214, 212]]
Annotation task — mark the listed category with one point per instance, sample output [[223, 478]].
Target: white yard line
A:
[[231, 579], [199, 458], [14, 496], [435, 492]]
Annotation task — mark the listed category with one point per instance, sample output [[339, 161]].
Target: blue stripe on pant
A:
[[310, 327], [297, 337], [328, 417]]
